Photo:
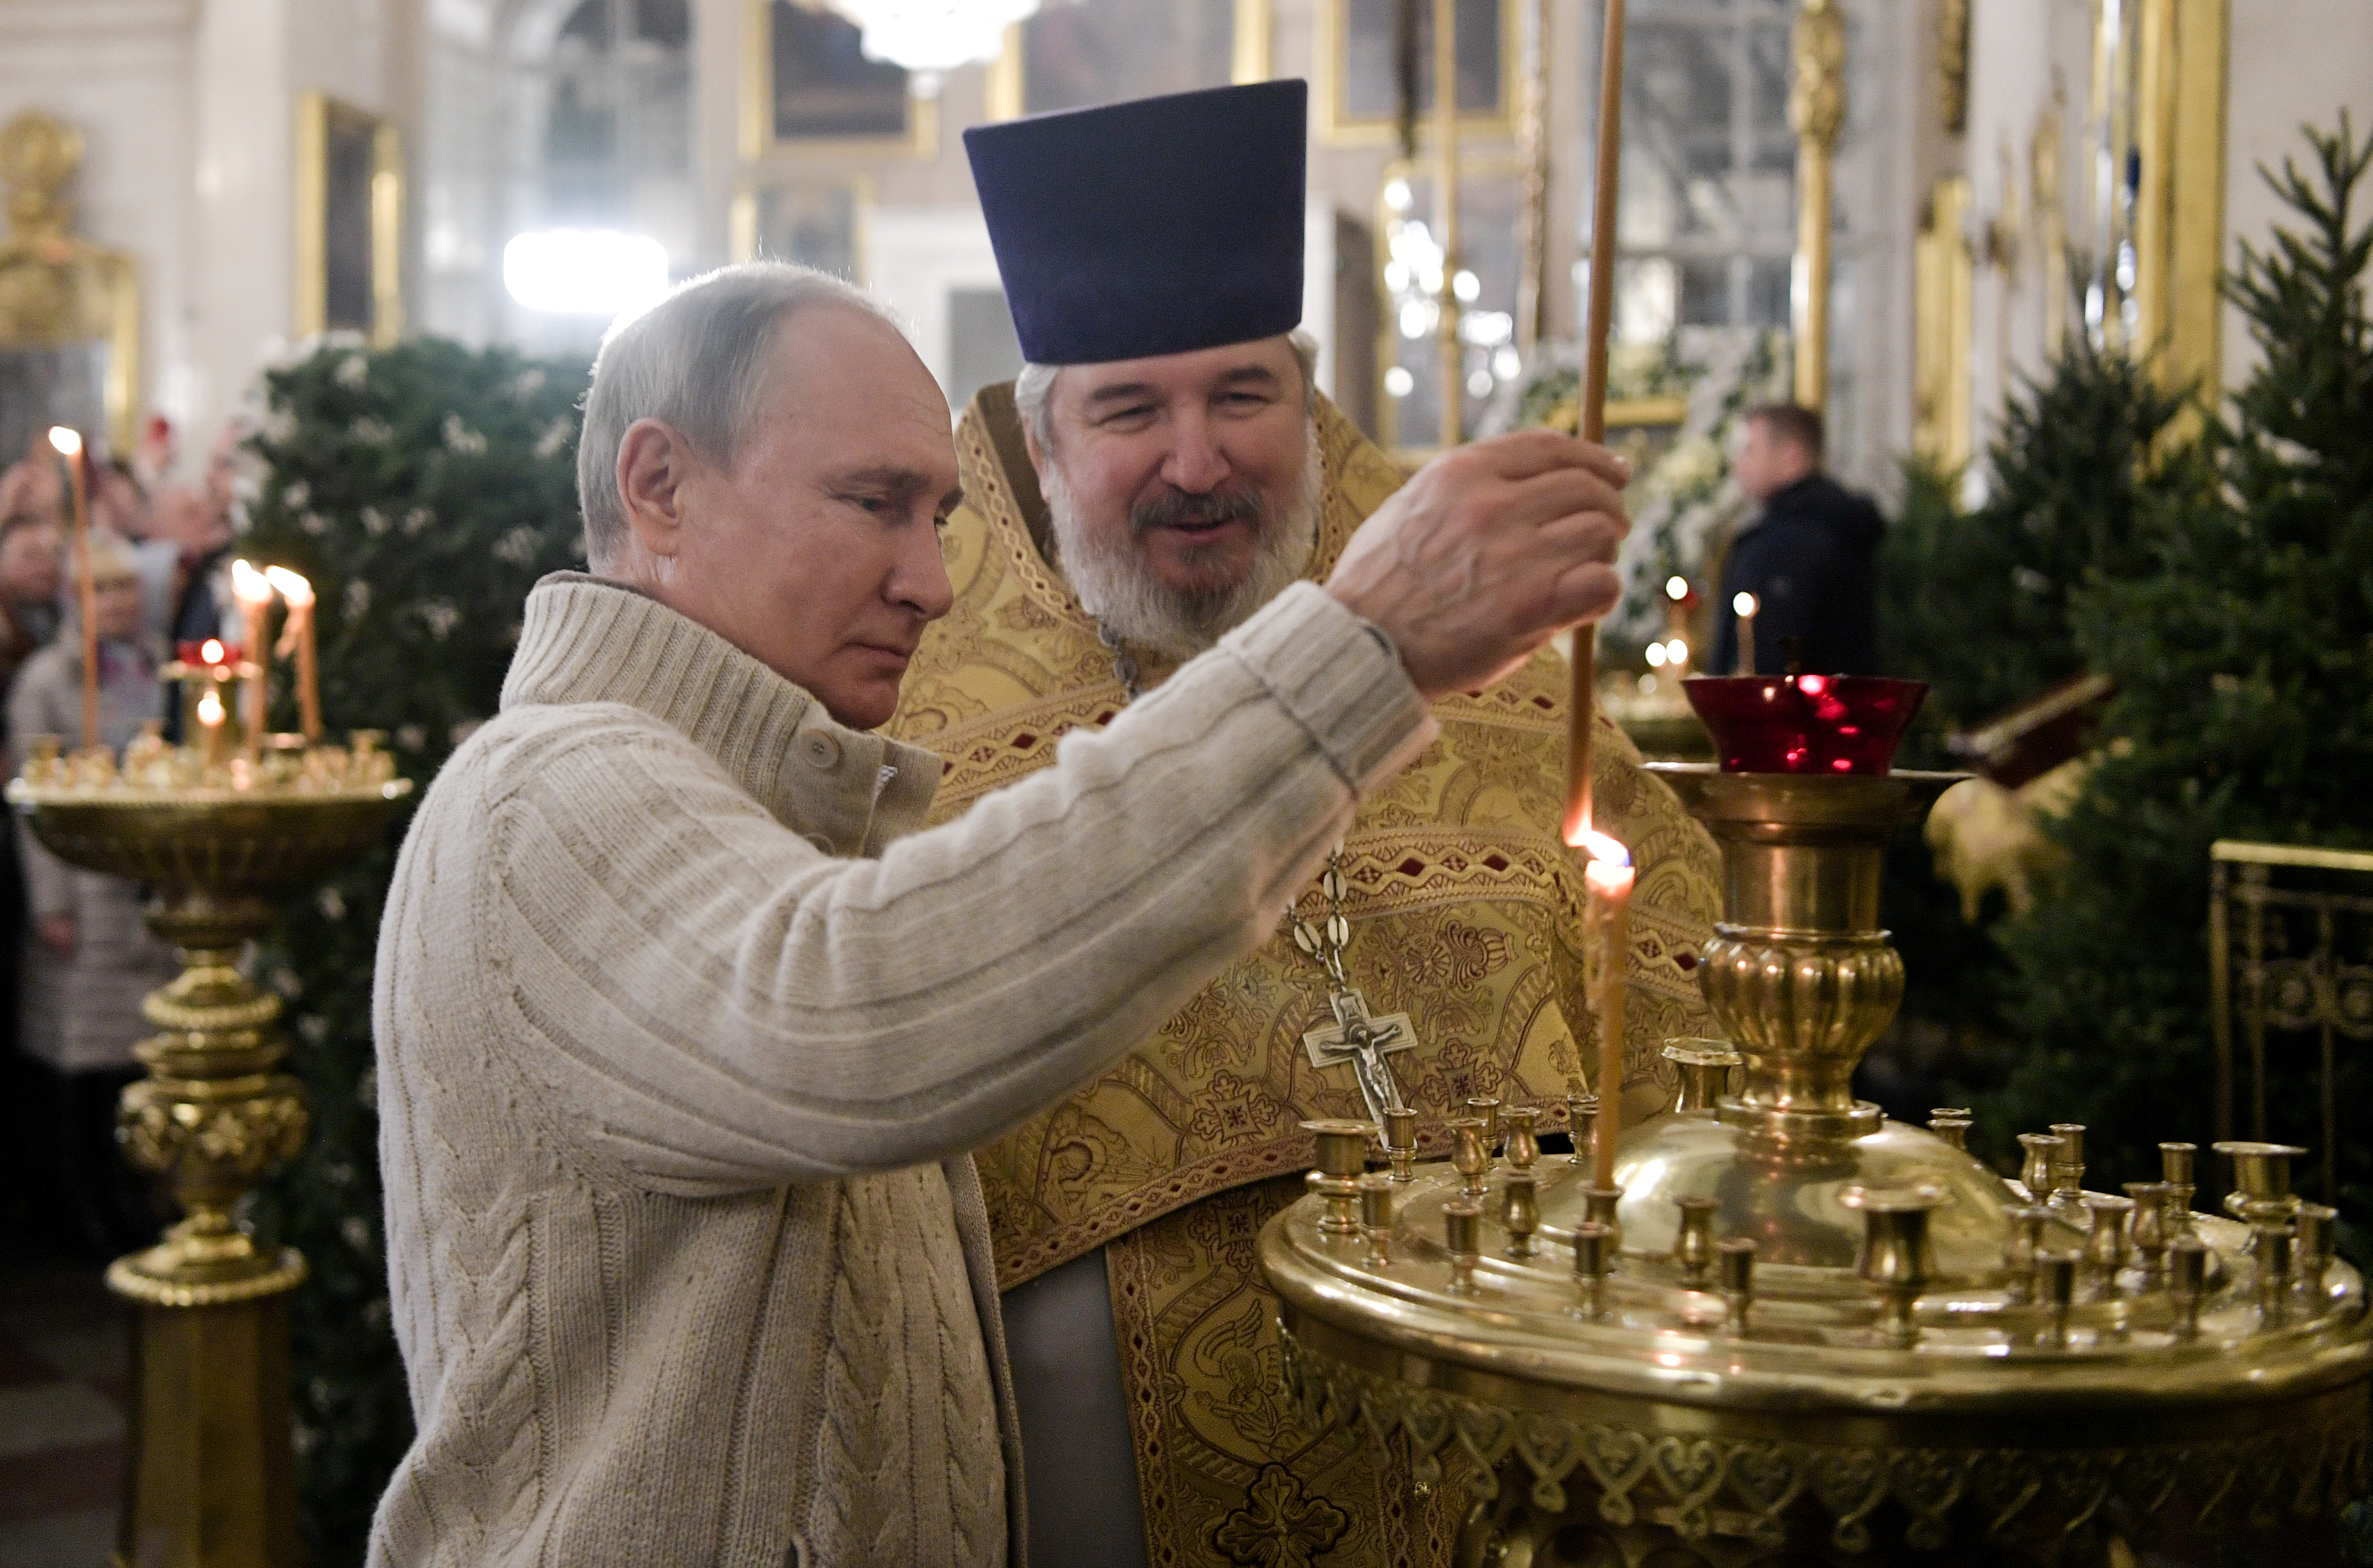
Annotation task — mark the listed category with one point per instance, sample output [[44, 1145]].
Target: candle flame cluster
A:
[[256, 588]]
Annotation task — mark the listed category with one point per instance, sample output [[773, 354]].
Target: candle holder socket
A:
[[1470, 1156], [1519, 1126], [2313, 1223], [1401, 1143], [1705, 1073], [1594, 1255], [1599, 1207], [2150, 1227], [1693, 1249], [2110, 1242], [1581, 1118], [2026, 1227], [1485, 1108], [2055, 1278], [2068, 1166], [1342, 1157], [1520, 1212], [2262, 1174], [1897, 1260], [2038, 1151], [1377, 1217], [1734, 1264], [1462, 1237], [2187, 1283]]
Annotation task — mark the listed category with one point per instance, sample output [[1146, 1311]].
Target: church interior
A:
[[1987, 707]]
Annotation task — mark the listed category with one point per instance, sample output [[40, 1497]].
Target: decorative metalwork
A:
[[1943, 290], [214, 1116], [58, 293], [2290, 959], [1953, 66], [1902, 1349], [1769, 1489], [1817, 111]]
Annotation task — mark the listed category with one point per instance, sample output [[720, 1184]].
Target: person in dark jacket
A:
[[1810, 557]]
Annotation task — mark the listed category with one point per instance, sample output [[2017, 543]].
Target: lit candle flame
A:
[[66, 442], [1677, 588], [210, 711], [250, 586], [212, 652], [1745, 604], [293, 589], [1609, 866]]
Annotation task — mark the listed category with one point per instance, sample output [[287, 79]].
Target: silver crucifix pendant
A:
[[1362, 1043]]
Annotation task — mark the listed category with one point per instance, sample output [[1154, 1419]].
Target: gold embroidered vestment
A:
[[1465, 911]]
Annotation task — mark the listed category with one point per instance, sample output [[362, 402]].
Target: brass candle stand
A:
[[1901, 1356], [210, 1477]]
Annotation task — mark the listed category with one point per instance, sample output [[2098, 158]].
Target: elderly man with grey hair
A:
[[685, 1030]]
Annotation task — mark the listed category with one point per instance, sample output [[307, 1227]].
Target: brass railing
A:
[[2290, 952]]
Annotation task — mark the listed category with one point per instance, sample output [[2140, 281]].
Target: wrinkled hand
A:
[[57, 934], [1488, 553]]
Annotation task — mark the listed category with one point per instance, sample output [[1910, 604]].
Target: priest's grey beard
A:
[[1110, 577]]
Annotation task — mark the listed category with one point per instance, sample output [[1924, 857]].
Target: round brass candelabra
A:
[[1795, 1332], [210, 1478]]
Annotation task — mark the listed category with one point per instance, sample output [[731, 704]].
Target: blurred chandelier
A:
[[931, 36]]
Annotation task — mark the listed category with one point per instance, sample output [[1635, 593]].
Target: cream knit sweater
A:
[[680, 1056]]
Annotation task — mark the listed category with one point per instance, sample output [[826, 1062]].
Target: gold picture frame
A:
[[349, 221], [56, 290], [753, 229], [1007, 91], [1943, 287], [1339, 127], [759, 142]]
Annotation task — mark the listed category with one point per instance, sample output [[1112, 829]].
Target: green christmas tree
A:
[[1978, 605], [422, 489], [2243, 646]]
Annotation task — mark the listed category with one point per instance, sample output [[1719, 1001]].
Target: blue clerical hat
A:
[[1157, 227]]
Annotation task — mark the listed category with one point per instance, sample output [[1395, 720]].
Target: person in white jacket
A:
[[685, 1029]]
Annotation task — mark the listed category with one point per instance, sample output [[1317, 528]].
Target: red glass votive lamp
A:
[[1805, 723]]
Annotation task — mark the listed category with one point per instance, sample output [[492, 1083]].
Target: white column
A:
[[243, 241]]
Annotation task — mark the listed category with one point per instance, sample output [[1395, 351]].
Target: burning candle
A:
[[254, 593], [1745, 606], [68, 445], [1608, 877], [297, 594], [210, 728]]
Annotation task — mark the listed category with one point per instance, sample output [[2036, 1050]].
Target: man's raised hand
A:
[[1488, 553]]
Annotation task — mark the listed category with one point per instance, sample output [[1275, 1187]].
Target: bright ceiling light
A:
[[585, 271], [931, 36]]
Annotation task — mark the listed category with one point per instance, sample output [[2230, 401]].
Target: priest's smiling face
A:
[[1183, 488], [815, 549]]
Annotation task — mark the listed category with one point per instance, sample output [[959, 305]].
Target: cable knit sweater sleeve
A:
[[715, 1003]]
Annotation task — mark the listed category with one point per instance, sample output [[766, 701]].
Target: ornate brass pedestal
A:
[[1803, 1334], [210, 1479]]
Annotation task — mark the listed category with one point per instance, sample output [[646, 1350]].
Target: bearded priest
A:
[[1164, 466]]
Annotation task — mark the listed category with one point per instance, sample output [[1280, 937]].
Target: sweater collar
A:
[[587, 639]]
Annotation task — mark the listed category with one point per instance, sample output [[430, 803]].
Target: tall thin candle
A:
[[1583, 695], [1608, 878], [254, 593], [297, 636], [68, 445]]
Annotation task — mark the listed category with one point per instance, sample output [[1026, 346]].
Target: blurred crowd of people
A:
[[74, 957]]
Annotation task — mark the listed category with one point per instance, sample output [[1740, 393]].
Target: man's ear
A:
[[655, 462], [1037, 454]]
